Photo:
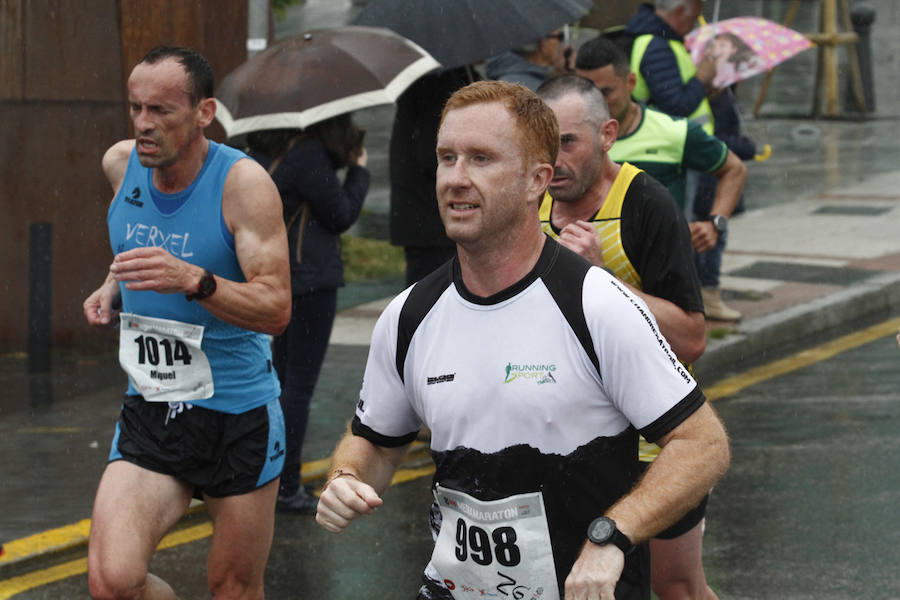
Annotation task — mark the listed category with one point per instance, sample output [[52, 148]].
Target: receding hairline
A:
[[185, 85]]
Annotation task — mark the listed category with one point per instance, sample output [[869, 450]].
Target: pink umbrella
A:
[[744, 46]]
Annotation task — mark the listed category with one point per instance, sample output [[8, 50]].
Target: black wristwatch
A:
[[720, 223], [205, 287], [603, 531]]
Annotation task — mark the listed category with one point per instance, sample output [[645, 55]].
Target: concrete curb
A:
[[876, 295]]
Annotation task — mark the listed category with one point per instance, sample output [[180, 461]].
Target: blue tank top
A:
[[189, 225]]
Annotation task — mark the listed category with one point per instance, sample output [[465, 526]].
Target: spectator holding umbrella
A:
[[317, 209], [294, 102]]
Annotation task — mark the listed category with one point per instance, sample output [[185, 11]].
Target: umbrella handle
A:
[[764, 155]]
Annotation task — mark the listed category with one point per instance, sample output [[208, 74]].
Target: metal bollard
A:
[[39, 297], [862, 17]]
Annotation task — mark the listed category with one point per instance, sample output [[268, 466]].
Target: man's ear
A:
[[630, 82], [541, 175], [608, 133], [206, 111]]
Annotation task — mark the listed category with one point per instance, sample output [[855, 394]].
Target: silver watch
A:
[[720, 223]]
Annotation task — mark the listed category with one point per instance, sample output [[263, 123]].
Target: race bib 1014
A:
[[163, 358], [495, 548]]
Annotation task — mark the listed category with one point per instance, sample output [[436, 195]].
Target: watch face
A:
[[601, 530], [207, 285]]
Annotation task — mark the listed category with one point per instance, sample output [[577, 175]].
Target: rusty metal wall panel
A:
[[72, 50], [226, 36], [57, 124], [11, 49], [53, 175], [148, 24], [216, 29]]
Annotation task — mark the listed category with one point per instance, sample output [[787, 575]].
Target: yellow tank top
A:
[[608, 222]]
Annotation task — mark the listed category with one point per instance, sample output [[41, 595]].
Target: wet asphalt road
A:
[[808, 509]]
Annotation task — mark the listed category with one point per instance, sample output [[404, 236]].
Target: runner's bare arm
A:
[[101, 306], [115, 163], [359, 472], [252, 210], [684, 330], [694, 456], [731, 177]]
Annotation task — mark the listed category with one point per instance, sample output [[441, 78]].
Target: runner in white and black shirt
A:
[[534, 371]]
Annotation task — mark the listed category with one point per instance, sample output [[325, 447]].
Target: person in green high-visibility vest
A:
[[666, 77]]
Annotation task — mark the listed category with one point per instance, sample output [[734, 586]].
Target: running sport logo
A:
[[539, 373]]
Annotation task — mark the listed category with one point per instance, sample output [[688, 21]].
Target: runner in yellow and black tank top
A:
[[641, 247]]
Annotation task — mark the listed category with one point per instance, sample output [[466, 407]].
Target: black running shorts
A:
[[220, 454]]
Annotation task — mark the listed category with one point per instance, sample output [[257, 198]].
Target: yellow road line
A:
[[52, 540], [403, 475], [48, 429], [733, 385], [15, 585], [69, 536]]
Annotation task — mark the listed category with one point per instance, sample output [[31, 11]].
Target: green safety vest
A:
[[703, 113], [656, 146], [659, 138]]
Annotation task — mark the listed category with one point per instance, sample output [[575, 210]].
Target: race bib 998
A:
[[498, 547]]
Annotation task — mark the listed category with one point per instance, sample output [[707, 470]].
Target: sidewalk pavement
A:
[[798, 271], [807, 268]]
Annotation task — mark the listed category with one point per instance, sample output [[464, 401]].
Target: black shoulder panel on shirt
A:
[[674, 416], [565, 281], [419, 302], [364, 431]]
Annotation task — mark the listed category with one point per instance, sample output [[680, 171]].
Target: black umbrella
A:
[[460, 32]]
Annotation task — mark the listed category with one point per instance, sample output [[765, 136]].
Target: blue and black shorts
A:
[[220, 454]]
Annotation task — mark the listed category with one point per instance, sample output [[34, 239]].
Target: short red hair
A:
[[535, 120]]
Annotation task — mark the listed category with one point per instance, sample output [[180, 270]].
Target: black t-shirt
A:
[[657, 241]]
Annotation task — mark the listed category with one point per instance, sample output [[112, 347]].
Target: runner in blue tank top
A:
[[199, 281]]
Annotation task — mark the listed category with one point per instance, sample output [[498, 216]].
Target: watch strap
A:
[[205, 287], [615, 537]]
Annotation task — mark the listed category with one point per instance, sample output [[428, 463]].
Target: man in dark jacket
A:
[[532, 64], [666, 75], [414, 221]]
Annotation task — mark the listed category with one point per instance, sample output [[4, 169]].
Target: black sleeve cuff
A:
[[364, 431], [674, 416]]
